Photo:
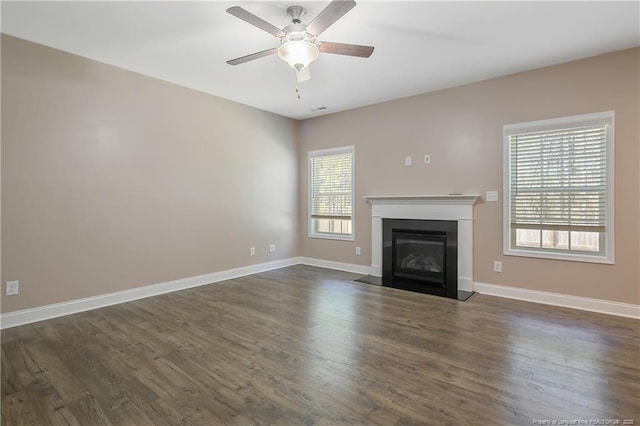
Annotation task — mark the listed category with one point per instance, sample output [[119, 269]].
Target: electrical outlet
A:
[[427, 159], [358, 251], [272, 248], [491, 196], [407, 161], [497, 266], [13, 287], [252, 251]]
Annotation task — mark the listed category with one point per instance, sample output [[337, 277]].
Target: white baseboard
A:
[[339, 266], [556, 299], [26, 316]]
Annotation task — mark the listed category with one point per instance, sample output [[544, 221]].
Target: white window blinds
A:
[[559, 188], [558, 179], [331, 191]]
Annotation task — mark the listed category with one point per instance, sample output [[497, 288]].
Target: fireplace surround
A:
[[458, 208]]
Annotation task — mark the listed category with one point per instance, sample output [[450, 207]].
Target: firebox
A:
[[421, 255]]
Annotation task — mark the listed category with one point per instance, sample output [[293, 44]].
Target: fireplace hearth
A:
[[421, 255]]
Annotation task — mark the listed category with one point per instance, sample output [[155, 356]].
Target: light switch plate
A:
[[407, 161], [491, 196]]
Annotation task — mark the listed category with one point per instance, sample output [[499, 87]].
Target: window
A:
[[559, 188], [331, 193]]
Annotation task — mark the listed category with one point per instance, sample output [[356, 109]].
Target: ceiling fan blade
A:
[[257, 55], [330, 14], [303, 75], [249, 17], [346, 49]]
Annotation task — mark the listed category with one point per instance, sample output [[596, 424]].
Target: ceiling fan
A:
[[298, 44]]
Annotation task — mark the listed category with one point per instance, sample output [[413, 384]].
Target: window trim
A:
[[606, 117], [351, 149]]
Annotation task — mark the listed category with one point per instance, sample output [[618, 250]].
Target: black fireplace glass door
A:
[[420, 256]]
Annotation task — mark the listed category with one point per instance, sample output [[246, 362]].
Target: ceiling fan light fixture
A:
[[298, 53]]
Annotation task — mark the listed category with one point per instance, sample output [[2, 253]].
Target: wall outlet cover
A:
[[407, 161], [491, 196], [13, 287]]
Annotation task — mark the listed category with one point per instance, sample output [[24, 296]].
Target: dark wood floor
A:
[[303, 345]]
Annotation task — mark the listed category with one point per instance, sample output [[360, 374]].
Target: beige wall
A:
[[461, 128], [113, 180]]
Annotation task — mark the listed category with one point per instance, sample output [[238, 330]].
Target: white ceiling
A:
[[420, 46]]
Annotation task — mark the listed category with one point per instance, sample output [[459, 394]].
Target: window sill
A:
[[332, 237], [571, 257]]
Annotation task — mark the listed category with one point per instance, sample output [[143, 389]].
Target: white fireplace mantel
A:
[[422, 199], [458, 207]]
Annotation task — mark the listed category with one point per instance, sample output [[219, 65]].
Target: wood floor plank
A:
[[89, 412], [30, 395], [109, 384], [60, 376], [305, 345]]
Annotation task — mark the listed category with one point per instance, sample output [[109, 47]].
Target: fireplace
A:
[[421, 255], [456, 208]]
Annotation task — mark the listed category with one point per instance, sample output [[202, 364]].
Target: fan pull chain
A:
[[298, 91]]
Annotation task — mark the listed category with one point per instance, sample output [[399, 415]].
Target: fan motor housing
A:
[[296, 32]]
